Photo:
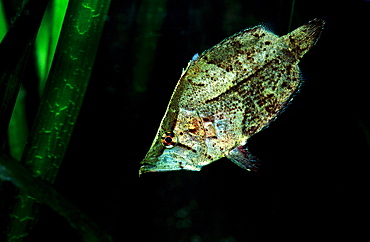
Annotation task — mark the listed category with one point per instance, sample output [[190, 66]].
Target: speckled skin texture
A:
[[226, 95]]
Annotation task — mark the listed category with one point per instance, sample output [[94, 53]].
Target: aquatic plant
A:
[[60, 103]]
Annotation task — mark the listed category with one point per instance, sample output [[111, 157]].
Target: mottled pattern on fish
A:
[[226, 95]]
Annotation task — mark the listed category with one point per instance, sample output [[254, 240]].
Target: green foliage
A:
[[3, 22], [18, 128], [60, 104], [47, 38]]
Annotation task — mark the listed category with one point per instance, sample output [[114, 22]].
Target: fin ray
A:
[[243, 158]]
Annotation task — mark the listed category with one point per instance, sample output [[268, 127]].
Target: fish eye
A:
[[169, 139]]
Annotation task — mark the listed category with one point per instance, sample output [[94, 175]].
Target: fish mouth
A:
[[146, 167]]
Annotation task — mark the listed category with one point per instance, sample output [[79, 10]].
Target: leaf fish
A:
[[227, 94]]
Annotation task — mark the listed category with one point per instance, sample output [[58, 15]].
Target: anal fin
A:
[[243, 158]]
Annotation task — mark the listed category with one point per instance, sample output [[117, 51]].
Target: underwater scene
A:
[[183, 120]]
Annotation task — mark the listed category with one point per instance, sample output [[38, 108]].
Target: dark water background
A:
[[312, 183]]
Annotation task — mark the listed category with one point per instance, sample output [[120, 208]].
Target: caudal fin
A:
[[305, 37]]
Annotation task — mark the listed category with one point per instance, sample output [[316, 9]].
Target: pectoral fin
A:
[[243, 158]]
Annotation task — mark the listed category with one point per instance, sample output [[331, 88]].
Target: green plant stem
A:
[[149, 21], [18, 128], [3, 22], [11, 170], [61, 101], [47, 39], [14, 51], [65, 88]]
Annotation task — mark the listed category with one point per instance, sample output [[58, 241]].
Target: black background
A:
[[312, 183]]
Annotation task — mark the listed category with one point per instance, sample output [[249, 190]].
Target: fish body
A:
[[227, 94]]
